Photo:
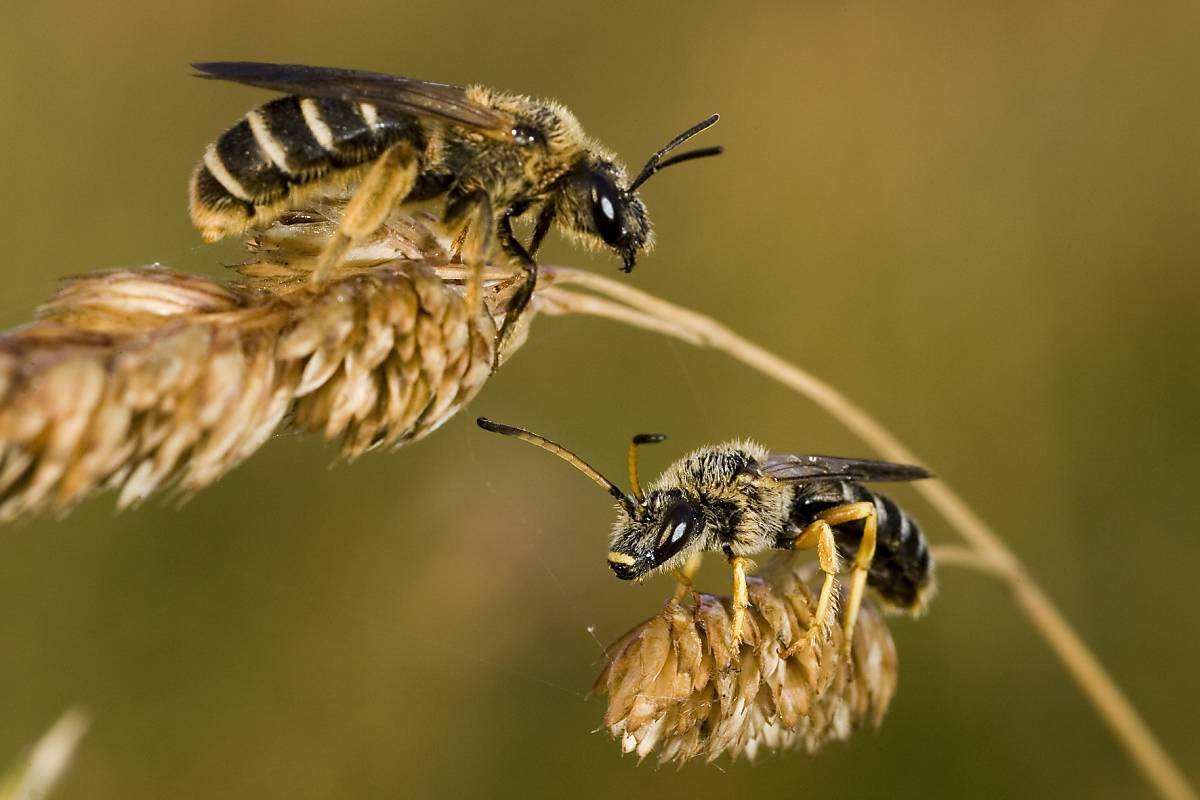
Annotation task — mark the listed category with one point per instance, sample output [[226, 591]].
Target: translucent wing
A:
[[796, 468], [423, 98]]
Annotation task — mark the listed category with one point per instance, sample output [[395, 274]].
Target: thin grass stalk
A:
[[655, 314]]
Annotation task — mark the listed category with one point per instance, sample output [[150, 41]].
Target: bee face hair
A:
[[595, 209], [669, 529], [599, 208], [709, 500]]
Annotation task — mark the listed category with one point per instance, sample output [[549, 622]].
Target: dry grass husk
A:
[[675, 686], [139, 379]]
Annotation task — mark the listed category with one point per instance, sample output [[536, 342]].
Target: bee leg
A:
[[389, 181], [542, 226], [839, 515], [516, 306], [819, 535], [456, 247], [476, 208], [741, 597], [684, 575]]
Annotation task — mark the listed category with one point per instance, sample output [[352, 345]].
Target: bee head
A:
[[596, 204], [663, 536], [592, 205]]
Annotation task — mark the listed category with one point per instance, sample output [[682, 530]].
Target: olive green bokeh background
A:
[[977, 220]]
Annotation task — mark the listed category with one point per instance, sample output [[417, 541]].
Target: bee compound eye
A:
[[679, 527], [678, 531], [606, 211]]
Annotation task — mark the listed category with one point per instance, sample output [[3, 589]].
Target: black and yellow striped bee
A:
[[738, 499], [488, 157]]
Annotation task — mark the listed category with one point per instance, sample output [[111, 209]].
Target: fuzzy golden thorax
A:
[[710, 500], [509, 171]]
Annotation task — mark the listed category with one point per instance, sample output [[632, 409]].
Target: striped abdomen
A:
[[902, 570], [285, 152]]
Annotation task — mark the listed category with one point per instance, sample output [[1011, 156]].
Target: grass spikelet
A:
[[139, 379], [675, 686]]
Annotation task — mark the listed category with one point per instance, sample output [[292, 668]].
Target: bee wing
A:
[[423, 98], [797, 468]]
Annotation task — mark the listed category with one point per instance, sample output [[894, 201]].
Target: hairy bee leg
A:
[[741, 597], [516, 306], [456, 247], [684, 575], [476, 208], [819, 535], [840, 515], [542, 226], [389, 181]]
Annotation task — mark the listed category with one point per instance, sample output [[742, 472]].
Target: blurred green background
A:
[[978, 220]]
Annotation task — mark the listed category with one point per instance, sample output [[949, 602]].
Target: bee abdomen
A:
[[901, 571], [254, 171]]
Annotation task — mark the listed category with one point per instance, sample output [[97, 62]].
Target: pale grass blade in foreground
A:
[[34, 776]]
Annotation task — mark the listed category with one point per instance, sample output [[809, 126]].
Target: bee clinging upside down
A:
[[738, 499], [490, 157]]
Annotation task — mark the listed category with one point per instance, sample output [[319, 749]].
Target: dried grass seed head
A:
[[675, 687], [140, 379]]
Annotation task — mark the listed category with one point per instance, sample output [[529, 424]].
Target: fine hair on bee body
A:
[[739, 499], [489, 157]]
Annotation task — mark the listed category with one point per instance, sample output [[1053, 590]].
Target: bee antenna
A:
[[641, 438], [656, 162], [623, 499]]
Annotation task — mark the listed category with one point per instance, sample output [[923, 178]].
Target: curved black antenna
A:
[[655, 162], [641, 438], [703, 152], [627, 504]]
